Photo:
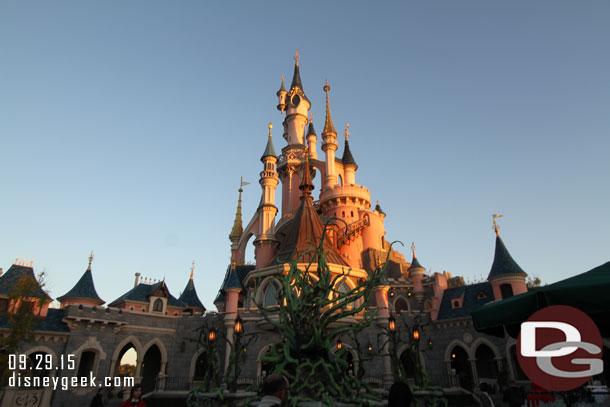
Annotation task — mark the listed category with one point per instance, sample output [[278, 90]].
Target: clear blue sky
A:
[[125, 126]]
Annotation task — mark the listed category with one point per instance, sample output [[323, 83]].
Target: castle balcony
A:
[[346, 195]]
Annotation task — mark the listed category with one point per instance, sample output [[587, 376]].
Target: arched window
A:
[[270, 296], [87, 359], [407, 359], [486, 364], [340, 180], [127, 360], [158, 305], [401, 305], [200, 367], [459, 362]]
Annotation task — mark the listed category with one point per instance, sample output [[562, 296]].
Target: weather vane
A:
[[496, 227]]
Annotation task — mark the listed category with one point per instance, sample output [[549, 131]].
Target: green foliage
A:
[[311, 318], [210, 382], [26, 299]]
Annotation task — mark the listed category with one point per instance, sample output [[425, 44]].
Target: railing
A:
[[353, 228], [176, 383], [592, 396]]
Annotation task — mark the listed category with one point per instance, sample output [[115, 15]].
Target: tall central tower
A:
[[296, 106]]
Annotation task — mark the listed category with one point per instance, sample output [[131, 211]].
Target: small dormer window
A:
[[456, 304], [158, 305], [481, 295]]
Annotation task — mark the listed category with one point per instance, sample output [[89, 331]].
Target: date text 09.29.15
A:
[[40, 361]]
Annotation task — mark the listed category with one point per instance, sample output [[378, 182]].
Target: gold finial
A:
[[192, 269], [90, 260], [496, 227], [16, 261], [311, 115], [346, 132], [297, 56], [413, 249], [270, 127]]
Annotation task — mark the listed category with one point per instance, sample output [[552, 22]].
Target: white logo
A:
[[570, 345]]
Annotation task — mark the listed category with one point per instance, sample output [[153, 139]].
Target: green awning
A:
[[589, 292]]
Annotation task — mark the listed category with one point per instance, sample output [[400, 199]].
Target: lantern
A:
[[339, 344], [392, 324], [416, 333], [212, 335], [239, 327]]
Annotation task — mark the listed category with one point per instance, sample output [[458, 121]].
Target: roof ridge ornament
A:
[[496, 227]]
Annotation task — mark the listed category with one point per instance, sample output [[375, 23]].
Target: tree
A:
[[311, 321], [26, 301]]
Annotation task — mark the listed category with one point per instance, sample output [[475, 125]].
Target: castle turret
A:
[[312, 139], [281, 94], [84, 290], [297, 108], [505, 276], [329, 146], [291, 160], [416, 273], [265, 242], [189, 296], [349, 164]]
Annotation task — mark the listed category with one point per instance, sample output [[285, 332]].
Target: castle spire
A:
[[348, 158], [269, 149], [296, 77], [306, 184], [238, 229], [329, 127]]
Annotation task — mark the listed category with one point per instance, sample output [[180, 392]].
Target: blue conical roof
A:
[[503, 262], [84, 289]]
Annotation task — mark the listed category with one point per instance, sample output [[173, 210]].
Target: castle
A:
[[161, 330]]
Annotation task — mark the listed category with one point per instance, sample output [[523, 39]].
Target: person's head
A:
[[400, 395], [136, 392], [276, 385]]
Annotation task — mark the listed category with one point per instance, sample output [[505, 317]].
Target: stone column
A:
[[473, 368]]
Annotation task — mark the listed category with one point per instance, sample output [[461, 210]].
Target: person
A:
[[599, 392], [98, 400], [135, 398], [513, 395], [275, 391], [400, 395]]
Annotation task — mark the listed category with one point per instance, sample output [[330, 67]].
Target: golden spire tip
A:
[[192, 269], [90, 259], [346, 132]]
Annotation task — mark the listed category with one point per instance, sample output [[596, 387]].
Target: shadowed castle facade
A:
[[160, 330]]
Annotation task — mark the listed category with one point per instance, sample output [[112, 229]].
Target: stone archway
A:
[[151, 367], [461, 363]]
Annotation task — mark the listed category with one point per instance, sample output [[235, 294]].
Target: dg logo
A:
[[559, 348]]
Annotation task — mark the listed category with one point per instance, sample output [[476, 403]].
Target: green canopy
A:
[[589, 292]]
